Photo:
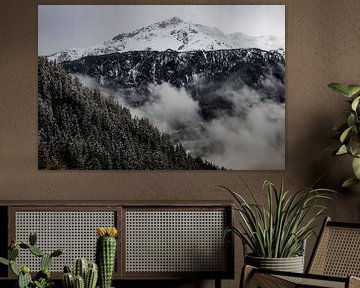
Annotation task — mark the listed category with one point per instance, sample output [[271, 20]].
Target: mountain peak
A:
[[175, 20], [170, 22], [175, 34]]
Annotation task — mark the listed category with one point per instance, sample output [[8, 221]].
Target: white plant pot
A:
[[291, 264]]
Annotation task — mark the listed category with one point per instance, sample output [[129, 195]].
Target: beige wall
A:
[[322, 46]]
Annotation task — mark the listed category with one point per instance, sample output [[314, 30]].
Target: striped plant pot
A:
[[291, 264]]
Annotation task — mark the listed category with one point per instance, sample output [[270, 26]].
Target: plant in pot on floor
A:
[[348, 133], [276, 233]]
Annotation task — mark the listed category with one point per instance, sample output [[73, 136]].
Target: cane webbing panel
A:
[[75, 231], [261, 280], [338, 252], [175, 241], [305, 282]]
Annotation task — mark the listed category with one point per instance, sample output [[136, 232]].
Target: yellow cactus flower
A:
[[106, 231]]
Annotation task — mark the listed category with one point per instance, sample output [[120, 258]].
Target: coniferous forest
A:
[[81, 129]]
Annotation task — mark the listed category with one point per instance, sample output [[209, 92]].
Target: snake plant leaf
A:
[[355, 103], [353, 89], [345, 134], [356, 167], [340, 88], [349, 182], [279, 228], [342, 150]]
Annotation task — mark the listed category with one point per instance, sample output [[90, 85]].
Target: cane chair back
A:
[[335, 262], [337, 252]]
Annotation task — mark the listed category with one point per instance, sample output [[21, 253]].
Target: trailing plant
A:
[[85, 275], [348, 132], [105, 254], [279, 229], [42, 278]]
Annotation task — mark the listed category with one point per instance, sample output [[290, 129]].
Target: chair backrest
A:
[[337, 251]]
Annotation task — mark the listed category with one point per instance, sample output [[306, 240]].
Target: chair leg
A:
[[246, 274]]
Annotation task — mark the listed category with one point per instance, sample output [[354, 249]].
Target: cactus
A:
[[105, 254], [68, 280], [36, 251], [67, 269], [45, 261], [57, 252], [24, 245], [14, 268], [32, 238], [90, 272], [13, 253], [80, 267], [79, 282], [24, 278], [91, 276]]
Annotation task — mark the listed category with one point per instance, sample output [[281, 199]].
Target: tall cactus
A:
[[106, 254]]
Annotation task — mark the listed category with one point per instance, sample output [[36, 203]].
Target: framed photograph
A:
[[161, 87]]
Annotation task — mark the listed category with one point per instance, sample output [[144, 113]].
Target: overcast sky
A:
[[76, 26]]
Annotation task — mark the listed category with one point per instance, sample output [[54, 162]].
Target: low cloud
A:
[[170, 108], [251, 137]]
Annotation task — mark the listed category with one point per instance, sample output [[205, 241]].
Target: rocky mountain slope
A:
[[197, 71]]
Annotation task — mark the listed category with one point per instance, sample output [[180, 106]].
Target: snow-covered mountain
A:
[[174, 34]]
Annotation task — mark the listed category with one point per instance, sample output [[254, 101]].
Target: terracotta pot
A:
[[291, 264]]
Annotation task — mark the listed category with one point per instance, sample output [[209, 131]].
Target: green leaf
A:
[[355, 103], [356, 167], [351, 120], [342, 150], [4, 261], [340, 88], [349, 182], [353, 89], [14, 268], [345, 134]]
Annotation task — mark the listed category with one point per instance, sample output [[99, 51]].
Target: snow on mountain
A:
[[174, 34]]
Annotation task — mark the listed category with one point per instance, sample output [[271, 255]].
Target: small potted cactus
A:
[[106, 254], [42, 278], [85, 275]]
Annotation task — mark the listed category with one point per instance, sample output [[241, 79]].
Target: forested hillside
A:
[[81, 129]]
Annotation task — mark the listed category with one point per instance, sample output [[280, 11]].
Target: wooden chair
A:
[[334, 263]]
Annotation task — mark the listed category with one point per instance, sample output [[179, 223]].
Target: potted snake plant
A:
[[348, 133], [274, 234]]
